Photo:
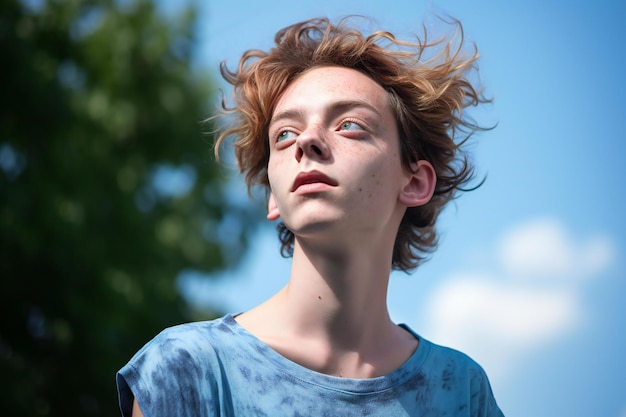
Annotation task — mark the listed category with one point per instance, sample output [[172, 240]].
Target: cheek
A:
[[279, 182], [376, 182], [382, 178], [273, 170]]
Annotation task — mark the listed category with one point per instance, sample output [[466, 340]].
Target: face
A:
[[334, 161]]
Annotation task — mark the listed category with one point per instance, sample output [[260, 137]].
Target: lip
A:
[[312, 177]]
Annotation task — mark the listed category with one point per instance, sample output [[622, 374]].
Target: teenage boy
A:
[[357, 140]]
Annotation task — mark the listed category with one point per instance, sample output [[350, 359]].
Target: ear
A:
[[420, 186], [272, 208]]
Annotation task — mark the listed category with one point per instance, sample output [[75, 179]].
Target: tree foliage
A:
[[107, 191]]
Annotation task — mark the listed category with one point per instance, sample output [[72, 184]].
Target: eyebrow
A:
[[335, 107]]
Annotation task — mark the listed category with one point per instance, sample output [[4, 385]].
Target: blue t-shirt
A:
[[217, 368]]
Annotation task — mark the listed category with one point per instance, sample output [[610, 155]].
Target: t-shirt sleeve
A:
[[167, 377], [484, 402], [459, 385]]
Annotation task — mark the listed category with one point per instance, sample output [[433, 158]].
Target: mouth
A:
[[312, 177]]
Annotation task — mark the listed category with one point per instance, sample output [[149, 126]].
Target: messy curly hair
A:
[[429, 91]]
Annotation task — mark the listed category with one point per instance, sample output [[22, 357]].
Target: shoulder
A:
[[459, 375], [183, 344], [183, 337], [178, 358], [450, 359], [174, 348]]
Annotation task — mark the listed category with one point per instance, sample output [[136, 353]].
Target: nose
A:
[[312, 144]]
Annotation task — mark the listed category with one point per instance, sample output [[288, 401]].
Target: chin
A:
[[316, 226]]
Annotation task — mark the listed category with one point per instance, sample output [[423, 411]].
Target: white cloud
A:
[[597, 254], [536, 249], [512, 316], [543, 249], [529, 305], [498, 322]]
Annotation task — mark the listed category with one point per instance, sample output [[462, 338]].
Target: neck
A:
[[335, 297], [341, 296], [332, 315]]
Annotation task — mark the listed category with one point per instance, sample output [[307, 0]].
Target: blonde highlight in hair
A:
[[429, 98]]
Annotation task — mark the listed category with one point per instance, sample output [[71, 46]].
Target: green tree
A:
[[107, 191]]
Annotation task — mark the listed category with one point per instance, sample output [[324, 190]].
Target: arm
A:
[[136, 410]]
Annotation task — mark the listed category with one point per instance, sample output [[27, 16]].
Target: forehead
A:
[[324, 84]]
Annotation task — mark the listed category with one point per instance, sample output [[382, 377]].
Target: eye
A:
[[350, 125], [285, 135]]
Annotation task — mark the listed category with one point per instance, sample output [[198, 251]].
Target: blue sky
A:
[[529, 278]]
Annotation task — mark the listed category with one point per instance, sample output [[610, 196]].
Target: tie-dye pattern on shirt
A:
[[216, 368]]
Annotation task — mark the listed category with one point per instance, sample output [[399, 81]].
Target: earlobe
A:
[[421, 186], [272, 208]]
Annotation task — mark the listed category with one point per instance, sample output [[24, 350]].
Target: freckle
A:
[[360, 189]]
